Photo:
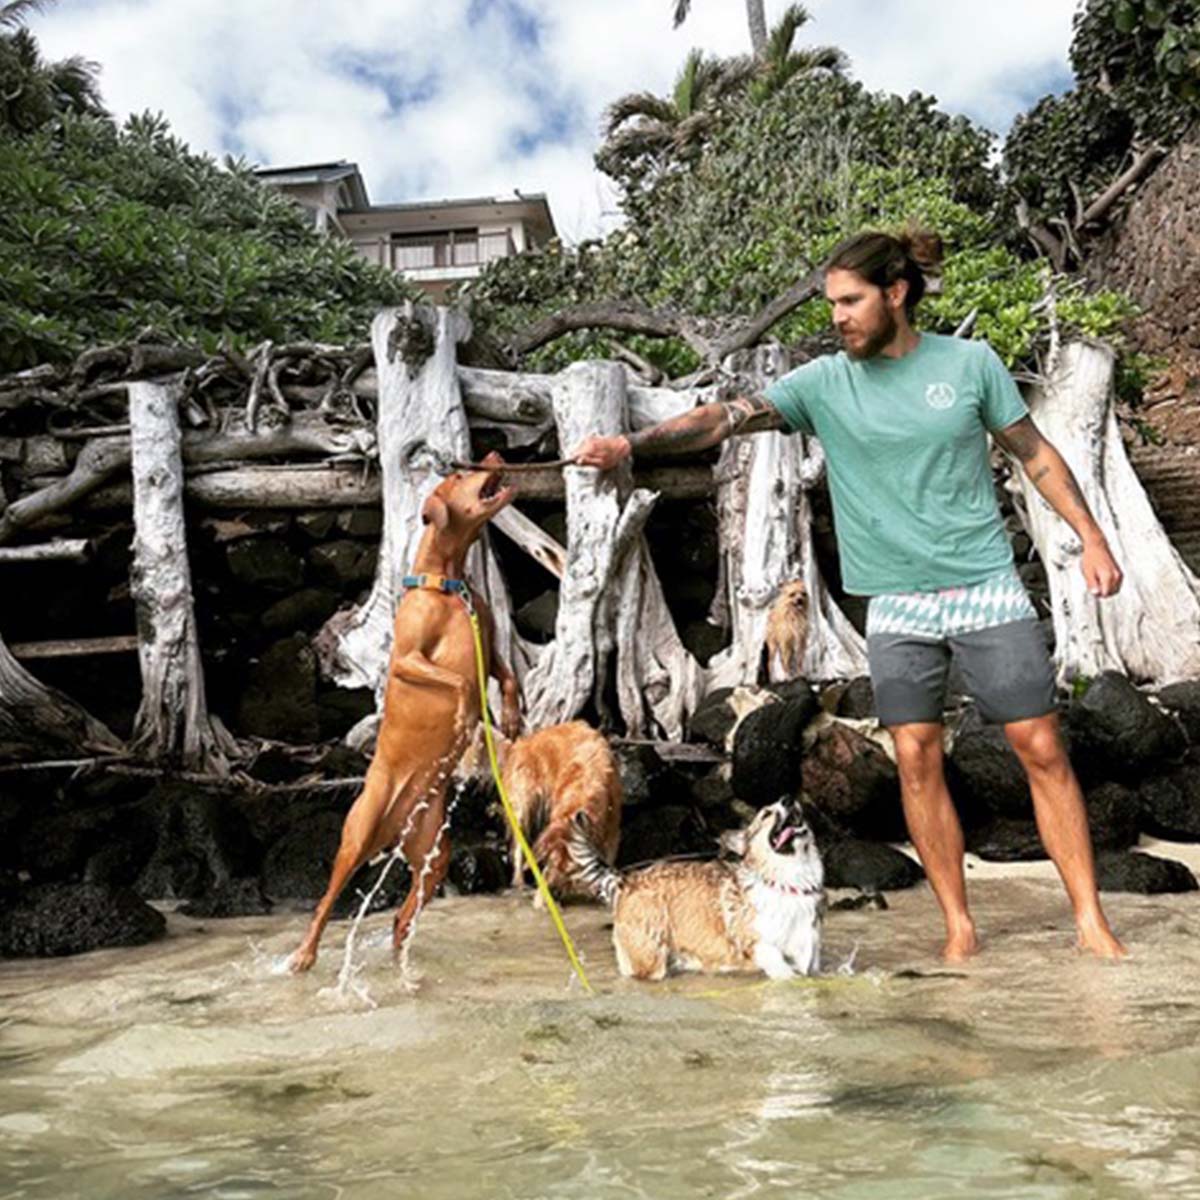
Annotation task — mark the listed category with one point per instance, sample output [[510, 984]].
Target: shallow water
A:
[[191, 1068]]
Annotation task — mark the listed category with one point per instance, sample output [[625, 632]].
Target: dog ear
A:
[[435, 512], [733, 842], [493, 459]]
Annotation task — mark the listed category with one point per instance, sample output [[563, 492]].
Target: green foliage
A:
[[1137, 67], [778, 184], [110, 232], [1147, 52], [34, 92]]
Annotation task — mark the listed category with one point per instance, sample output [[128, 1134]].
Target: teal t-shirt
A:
[[906, 451]]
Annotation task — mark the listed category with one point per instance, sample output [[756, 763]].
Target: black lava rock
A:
[[475, 870], [868, 866], [767, 751], [1117, 733], [646, 779], [230, 898], [857, 700], [280, 697], [1144, 873], [853, 782], [1005, 839], [986, 777], [1114, 816], [1171, 804], [296, 866], [72, 918], [203, 841], [654, 833], [713, 718], [1183, 699]]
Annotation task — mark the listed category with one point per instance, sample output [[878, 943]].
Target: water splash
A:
[[349, 983]]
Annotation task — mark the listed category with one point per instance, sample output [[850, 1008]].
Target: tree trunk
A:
[[757, 20], [172, 723], [419, 401], [589, 398], [766, 540], [1150, 630], [38, 722]]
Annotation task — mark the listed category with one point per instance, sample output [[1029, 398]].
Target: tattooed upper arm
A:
[[751, 414], [1021, 439]]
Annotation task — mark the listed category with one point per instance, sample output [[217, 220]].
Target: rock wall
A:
[[1153, 254]]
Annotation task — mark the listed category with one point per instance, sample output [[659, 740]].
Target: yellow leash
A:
[[512, 817]]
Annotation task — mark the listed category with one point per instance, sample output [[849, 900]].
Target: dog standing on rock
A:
[[431, 705], [550, 776], [760, 913]]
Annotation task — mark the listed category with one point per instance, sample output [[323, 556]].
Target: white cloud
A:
[[432, 103]]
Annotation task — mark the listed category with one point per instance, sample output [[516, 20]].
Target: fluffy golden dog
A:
[[760, 913], [786, 636], [550, 777]]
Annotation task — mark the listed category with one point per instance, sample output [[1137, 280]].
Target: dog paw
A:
[[301, 961]]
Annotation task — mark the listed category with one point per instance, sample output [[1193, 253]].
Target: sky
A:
[[436, 99]]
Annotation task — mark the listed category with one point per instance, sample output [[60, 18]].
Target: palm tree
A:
[[756, 18], [33, 91], [780, 62], [649, 130]]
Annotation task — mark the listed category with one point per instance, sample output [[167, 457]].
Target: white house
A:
[[434, 243]]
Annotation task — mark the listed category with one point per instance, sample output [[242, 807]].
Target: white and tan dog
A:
[[762, 912]]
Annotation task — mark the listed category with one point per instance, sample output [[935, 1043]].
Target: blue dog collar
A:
[[436, 583]]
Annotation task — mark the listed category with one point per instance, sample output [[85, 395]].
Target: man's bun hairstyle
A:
[[882, 258]]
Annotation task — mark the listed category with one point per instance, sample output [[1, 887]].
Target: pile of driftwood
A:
[[306, 426]]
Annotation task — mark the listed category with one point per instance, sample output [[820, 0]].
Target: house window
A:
[[452, 248]]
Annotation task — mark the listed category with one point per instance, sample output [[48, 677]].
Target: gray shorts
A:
[[996, 644]]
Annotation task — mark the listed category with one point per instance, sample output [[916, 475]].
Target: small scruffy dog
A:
[[762, 912], [786, 636]]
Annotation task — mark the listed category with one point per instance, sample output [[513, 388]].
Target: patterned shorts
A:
[[990, 629], [952, 611]]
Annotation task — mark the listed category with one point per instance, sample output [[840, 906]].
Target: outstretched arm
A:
[[702, 427], [1049, 473]]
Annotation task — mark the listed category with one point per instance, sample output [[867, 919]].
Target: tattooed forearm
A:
[[705, 426], [1021, 439], [686, 434], [1049, 473], [761, 415]]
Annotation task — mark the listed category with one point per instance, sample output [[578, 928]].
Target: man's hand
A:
[[602, 452], [1100, 570]]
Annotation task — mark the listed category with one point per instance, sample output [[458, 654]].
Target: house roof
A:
[[327, 172], [533, 206]]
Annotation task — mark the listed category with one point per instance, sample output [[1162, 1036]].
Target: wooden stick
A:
[[62, 550], [75, 647]]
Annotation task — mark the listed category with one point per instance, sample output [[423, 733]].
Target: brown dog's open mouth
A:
[[494, 491]]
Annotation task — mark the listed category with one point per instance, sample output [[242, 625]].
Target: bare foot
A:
[[1096, 937], [960, 945]]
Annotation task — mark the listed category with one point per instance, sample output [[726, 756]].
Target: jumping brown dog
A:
[[430, 709]]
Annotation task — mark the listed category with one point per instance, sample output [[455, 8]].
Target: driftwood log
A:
[[1151, 629], [766, 540], [172, 725], [420, 406]]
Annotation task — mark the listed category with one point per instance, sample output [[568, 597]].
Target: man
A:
[[903, 418]]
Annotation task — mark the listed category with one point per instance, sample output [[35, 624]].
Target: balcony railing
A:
[[449, 250]]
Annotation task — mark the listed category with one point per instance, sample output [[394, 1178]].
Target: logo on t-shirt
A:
[[940, 395]]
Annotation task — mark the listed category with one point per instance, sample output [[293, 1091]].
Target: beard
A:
[[875, 339]]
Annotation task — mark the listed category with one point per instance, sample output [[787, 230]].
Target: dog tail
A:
[[592, 872]]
